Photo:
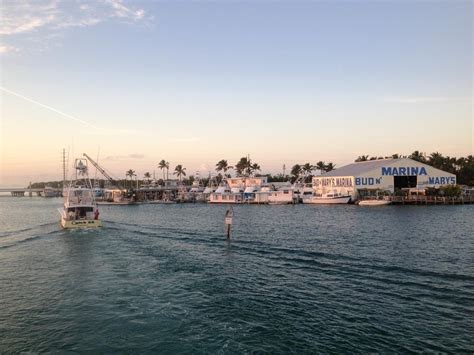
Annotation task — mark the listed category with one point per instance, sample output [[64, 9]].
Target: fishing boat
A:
[[80, 208], [327, 198]]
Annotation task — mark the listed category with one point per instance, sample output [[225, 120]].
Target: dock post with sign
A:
[[228, 220]]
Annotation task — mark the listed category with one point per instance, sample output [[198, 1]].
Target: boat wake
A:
[[18, 237]]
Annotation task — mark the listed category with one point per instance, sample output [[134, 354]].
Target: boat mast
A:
[[64, 168]]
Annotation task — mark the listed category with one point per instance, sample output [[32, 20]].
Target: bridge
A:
[[21, 191]]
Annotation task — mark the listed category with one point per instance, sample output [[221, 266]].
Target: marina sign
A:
[[441, 180], [333, 182], [403, 171]]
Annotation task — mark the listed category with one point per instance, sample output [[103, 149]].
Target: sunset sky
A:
[[194, 82]]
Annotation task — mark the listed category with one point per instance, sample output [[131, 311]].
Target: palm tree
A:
[[416, 155], [307, 168], [296, 171], [362, 158], [248, 168], [255, 167], [242, 166], [179, 171], [163, 164], [223, 166], [436, 160], [329, 167], [321, 166], [147, 177], [130, 173]]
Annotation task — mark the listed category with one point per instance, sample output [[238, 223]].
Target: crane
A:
[[103, 172]]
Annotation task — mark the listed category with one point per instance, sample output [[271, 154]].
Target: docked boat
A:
[[283, 196], [80, 208], [327, 198], [302, 191], [374, 202], [240, 190], [48, 191], [225, 194], [116, 197]]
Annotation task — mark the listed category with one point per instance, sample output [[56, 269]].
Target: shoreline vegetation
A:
[[462, 167]]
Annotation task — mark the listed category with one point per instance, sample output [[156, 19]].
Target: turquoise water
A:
[[292, 279]]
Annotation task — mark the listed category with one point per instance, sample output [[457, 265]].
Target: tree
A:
[[130, 173], [416, 155], [147, 177], [362, 158], [243, 166], [222, 165], [436, 160], [296, 171], [163, 164], [321, 166], [254, 168], [466, 171], [179, 171], [307, 168], [329, 167]]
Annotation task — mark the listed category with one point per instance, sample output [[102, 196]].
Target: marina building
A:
[[389, 175]]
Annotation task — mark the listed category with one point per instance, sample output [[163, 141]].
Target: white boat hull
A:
[[81, 223], [116, 203], [161, 202], [78, 223], [328, 200], [374, 203]]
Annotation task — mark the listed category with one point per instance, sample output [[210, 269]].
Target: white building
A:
[[384, 174]]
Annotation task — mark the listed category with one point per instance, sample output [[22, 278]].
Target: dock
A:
[[430, 200]]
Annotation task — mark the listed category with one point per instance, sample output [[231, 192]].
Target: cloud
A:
[[122, 11], [205, 167], [421, 99], [124, 157], [36, 21], [68, 117], [60, 113]]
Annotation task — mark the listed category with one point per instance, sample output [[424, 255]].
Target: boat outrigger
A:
[[80, 208]]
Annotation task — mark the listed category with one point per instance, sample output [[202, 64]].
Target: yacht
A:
[[227, 194], [327, 198], [80, 208]]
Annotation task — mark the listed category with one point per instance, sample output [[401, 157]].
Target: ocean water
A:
[[292, 279]]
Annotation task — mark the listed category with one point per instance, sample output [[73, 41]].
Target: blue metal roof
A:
[[362, 167]]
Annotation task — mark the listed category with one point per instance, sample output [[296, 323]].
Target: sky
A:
[[194, 82]]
